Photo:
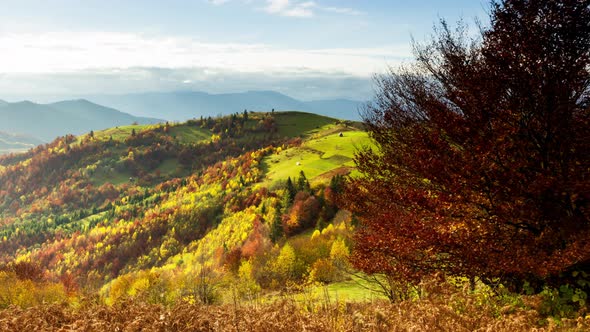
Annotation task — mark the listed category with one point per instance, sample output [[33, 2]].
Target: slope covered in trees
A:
[[139, 209]]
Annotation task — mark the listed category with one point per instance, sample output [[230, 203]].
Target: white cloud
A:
[[290, 8], [75, 51], [343, 10], [296, 8]]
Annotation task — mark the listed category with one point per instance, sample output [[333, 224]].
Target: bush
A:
[[26, 293]]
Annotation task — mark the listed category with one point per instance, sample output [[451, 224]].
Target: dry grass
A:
[[457, 312]]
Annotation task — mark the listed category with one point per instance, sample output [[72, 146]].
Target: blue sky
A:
[[309, 49]]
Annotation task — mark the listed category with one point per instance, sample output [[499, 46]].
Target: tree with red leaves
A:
[[482, 165]]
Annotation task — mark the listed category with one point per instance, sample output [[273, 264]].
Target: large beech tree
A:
[[482, 158]]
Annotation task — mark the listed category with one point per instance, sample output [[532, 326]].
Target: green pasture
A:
[[102, 176], [293, 124], [120, 133], [314, 157], [353, 290], [186, 134]]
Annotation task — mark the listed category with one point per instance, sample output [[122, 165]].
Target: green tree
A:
[[289, 196], [276, 226], [303, 183]]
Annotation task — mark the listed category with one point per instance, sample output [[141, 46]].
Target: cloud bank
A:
[[73, 51], [50, 87], [82, 62]]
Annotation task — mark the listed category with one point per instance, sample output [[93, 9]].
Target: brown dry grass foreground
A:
[[431, 314]]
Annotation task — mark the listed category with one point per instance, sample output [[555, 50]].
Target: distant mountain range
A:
[[183, 105], [44, 122], [25, 124]]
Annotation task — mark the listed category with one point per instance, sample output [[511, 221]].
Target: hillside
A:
[[133, 202], [45, 122], [141, 227], [184, 105]]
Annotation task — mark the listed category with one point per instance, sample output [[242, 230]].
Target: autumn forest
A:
[[460, 202]]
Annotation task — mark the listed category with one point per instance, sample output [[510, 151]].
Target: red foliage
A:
[[483, 162], [69, 283], [303, 214], [254, 245], [232, 260], [28, 271]]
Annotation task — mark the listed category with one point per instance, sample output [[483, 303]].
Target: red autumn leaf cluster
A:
[[482, 165]]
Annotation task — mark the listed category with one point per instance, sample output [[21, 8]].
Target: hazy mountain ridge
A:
[[15, 143], [47, 121], [183, 105]]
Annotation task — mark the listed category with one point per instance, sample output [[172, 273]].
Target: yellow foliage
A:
[[285, 264], [247, 286], [323, 271], [339, 250], [26, 293], [339, 253], [329, 229], [315, 234], [116, 289], [139, 285]]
